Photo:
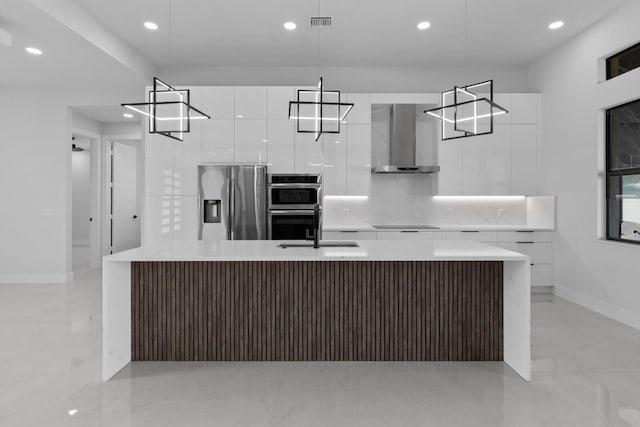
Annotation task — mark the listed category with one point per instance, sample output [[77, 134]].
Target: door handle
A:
[[135, 217]]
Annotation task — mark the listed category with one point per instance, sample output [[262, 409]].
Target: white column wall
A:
[[601, 275]]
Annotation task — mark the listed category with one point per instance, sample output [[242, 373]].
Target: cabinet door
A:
[[218, 102], [475, 176], [158, 158], [361, 112], [334, 177], [218, 138], [358, 169], [278, 99], [349, 235], [308, 154], [450, 161], [503, 100], [524, 160], [524, 108], [251, 102], [281, 154], [187, 154], [498, 160], [410, 235], [185, 218], [251, 141]]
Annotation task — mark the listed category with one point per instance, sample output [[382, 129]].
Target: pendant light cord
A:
[[466, 43]]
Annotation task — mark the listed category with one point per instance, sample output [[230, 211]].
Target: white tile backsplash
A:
[[408, 199]]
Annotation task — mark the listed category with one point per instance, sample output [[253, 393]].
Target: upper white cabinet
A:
[[308, 154], [251, 102], [501, 163], [278, 98], [335, 162], [251, 141], [524, 108], [218, 102], [524, 158], [188, 153], [281, 146], [358, 160], [218, 140], [361, 111]]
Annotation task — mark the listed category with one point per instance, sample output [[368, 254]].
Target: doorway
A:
[[124, 190]]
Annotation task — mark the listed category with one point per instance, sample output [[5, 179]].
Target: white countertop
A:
[[490, 227], [369, 250]]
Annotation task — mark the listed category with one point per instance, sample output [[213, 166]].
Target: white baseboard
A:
[[56, 278], [609, 310]]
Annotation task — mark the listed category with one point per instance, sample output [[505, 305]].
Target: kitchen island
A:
[[255, 301]]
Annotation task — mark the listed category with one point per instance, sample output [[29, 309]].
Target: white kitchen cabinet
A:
[[159, 152], [349, 235], [281, 146], [524, 160], [361, 111], [251, 102], [525, 236], [251, 141], [334, 177], [218, 102], [308, 154], [278, 98], [475, 173], [218, 140], [185, 218], [450, 161], [475, 235], [540, 252], [410, 235], [358, 167], [157, 224], [187, 154], [524, 108], [498, 160], [503, 100], [541, 275]]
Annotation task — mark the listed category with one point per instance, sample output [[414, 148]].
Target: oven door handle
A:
[[295, 185], [293, 211]]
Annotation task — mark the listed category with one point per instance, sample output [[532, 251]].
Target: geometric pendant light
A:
[[318, 111], [468, 110], [169, 110]]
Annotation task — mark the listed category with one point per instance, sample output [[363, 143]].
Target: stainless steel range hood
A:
[[403, 139]]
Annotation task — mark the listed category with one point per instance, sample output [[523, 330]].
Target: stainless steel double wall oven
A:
[[291, 201]]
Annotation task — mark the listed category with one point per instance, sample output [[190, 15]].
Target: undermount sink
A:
[[306, 244]]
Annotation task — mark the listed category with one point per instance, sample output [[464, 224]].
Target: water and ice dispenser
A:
[[212, 211]]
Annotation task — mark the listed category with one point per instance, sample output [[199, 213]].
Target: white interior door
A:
[[125, 226]]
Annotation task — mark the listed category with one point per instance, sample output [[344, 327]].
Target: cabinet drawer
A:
[[349, 235], [525, 236], [478, 236], [540, 252], [541, 274], [410, 235]]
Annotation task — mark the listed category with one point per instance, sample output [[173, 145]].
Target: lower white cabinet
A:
[[410, 235], [478, 236], [349, 235]]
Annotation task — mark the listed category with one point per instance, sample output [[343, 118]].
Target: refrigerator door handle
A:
[[232, 204]]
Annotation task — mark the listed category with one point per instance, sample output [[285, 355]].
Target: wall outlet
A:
[[345, 212], [500, 211]]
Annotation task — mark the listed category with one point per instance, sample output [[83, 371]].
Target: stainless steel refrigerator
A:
[[232, 202]]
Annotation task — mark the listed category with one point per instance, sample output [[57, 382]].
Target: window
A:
[[623, 172], [623, 61]]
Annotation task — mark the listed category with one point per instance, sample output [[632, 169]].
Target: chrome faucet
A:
[[316, 227]]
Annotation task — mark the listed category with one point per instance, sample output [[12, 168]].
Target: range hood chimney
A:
[[398, 121]]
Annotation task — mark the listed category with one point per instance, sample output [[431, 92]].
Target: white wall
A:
[[35, 178], [602, 275], [434, 79], [81, 192]]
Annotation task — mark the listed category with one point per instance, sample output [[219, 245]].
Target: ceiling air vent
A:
[[320, 22]]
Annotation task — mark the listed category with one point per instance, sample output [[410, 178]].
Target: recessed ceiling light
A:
[[34, 51], [290, 26], [151, 25], [239, 116], [72, 411], [424, 25], [127, 115], [556, 25]]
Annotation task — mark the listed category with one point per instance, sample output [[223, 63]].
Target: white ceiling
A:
[[105, 113], [197, 33]]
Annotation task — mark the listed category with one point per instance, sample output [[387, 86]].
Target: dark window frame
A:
[[617, 55], [610, 173]]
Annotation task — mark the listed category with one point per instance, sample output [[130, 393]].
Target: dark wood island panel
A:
[[317, 310]]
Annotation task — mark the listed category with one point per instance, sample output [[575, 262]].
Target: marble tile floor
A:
[[586, 373]]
